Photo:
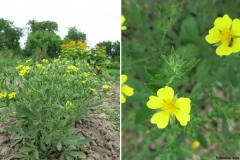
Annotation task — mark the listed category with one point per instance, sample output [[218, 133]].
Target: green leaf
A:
[[19, 155], [26, 149], [76, 154], [36, 154], [181, 137], [68, 157], [72, 139], [13, 128], [225, 129], [154, 87], [59, 145], [143, 114], [202, 140], [232, 75], [152, 71], [85, 140], [30, 114], [187, 67]]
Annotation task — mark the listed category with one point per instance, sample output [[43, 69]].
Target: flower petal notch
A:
[[225, 34], [169, 107]]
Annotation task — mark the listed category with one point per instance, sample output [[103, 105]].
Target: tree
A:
[[112, 49], [74, 35], [9, 35], [48, 26], [43, 38]]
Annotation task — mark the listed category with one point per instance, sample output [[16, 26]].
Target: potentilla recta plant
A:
[[46, 99]]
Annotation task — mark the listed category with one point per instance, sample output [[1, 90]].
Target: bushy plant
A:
[[46, 99]]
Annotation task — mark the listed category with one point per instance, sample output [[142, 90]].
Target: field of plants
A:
[[180, 79], [58, 100]]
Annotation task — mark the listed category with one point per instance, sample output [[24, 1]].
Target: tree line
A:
[[42, 37]]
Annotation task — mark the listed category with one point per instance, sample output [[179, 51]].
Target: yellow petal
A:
[[166, 94], [235, 27], [161, 119], [154, 102], [123, 19], [223, 49], [223, 23], [182, 117], [214, 36], [123, 78], [123, 99], [183, 104], [124, 27], [235, 45], [128, 91]]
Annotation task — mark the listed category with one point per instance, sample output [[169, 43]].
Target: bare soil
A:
[[105, 144]]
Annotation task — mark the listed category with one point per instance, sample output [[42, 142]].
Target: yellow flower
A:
[[169, 107], [30, 91], [72, 68], [92, 89], [56, 60], [44, 61], [126, 90], [123, 20], [22, 72], [19, 67], [224, 33], [195, 144], [28, 60], [68, 103], [3, 95], [26, 68], [147, 131], [83, 81], [106, 86], [85, 74], [12, 95]]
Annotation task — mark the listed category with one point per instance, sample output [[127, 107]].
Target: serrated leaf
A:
[[232, 76], [76, 154], [152, 71], [154, 87], [143, 114], [72, 139], [225, 129], [202, 140], [187, 67]]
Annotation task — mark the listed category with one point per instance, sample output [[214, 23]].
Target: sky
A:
[[100, 20]]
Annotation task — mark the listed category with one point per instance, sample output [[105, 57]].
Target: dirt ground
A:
[[105, 144]]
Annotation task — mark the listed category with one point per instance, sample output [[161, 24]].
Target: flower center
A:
[[169, 108], [227, 36]]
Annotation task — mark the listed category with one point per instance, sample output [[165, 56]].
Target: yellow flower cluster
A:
[[85, 74], [44, 61], [72, 68], [68, 103], [23, 70], [106, 86], [3, 95], [12, 95], [73, 48], [40, 66], [28, 60], [101, 47]]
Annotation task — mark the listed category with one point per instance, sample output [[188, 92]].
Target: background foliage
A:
[[153, 28]]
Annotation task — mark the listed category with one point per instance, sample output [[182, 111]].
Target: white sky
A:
[[100, 20]]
